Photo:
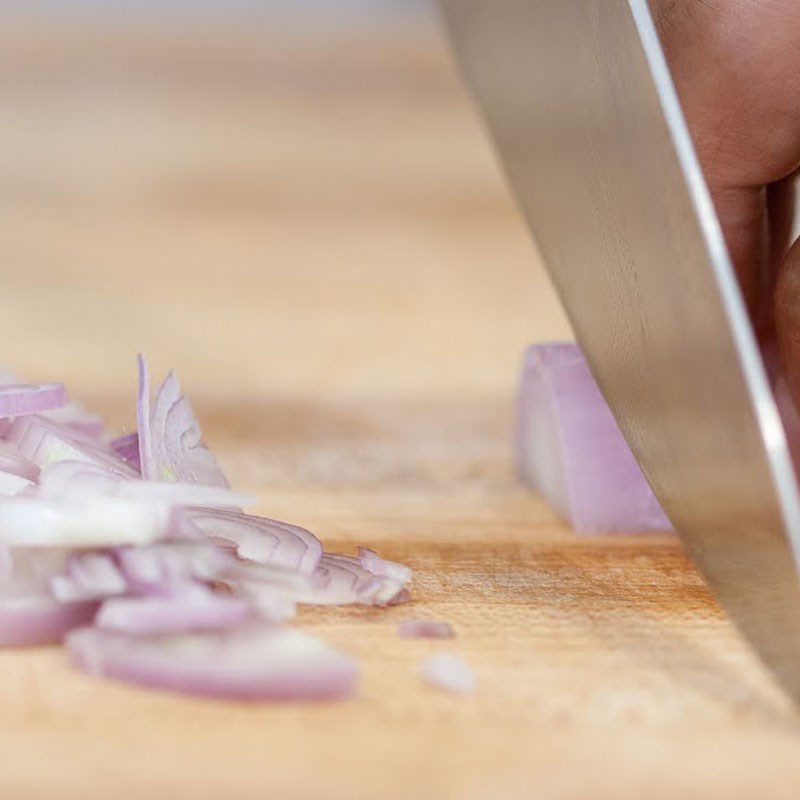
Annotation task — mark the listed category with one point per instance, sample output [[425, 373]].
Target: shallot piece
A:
[[425, 629], [449, 672], [33, 398], [170, 440], [250, 662], [570, 449]]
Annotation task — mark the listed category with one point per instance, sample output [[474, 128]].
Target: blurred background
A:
[[280, 199]]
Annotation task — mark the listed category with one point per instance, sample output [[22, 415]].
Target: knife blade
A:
[[578, 99]]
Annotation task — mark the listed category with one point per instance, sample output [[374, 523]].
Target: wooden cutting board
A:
[[310, 228]]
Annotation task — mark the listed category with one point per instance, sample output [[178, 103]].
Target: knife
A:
[[578, 99]]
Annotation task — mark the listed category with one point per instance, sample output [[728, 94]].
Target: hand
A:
[[736, 67]]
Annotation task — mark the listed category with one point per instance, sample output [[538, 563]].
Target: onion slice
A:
[[250, 663], [570, 449], [266, 541]]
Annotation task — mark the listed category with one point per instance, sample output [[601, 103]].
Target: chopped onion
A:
[[193, 593], [21, 399], [425, 629], [570, 449], [253, 662], [449, 672]]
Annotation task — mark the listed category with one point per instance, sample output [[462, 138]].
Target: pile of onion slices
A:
[[137, 554]]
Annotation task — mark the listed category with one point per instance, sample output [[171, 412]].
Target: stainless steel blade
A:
[[579, 101]]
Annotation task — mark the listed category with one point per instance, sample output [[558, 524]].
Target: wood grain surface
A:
[[310, 228]]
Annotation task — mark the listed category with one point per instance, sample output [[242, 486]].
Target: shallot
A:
[[571, 451], [142, 535]]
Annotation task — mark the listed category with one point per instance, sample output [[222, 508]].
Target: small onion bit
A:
[[449, 672], [251, 662], [425, 629]]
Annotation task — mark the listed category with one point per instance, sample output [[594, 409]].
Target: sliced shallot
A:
[[252, 662]]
